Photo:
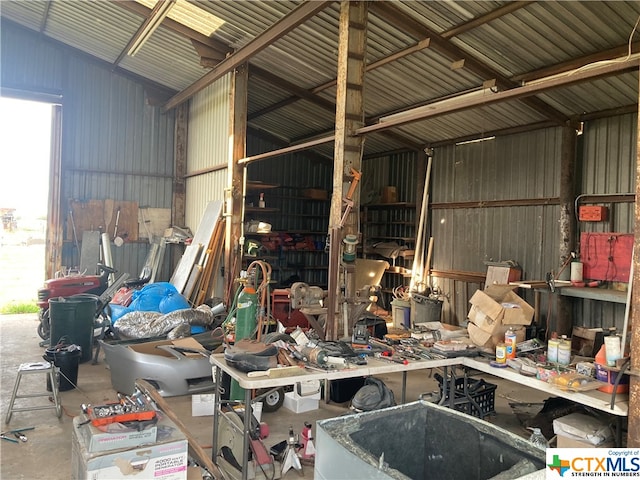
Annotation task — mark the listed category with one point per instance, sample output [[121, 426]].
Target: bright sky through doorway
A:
[[25, 132]]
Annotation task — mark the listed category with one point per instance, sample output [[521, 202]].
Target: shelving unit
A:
[[295, 246], [390, 223]]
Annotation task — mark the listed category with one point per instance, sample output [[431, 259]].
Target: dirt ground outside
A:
[[21, 271]]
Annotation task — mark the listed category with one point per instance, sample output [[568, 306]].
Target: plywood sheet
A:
[[208, 222], [153, 222], [101, 215], [185, 265]]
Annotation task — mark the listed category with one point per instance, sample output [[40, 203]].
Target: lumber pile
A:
[[194, 276]]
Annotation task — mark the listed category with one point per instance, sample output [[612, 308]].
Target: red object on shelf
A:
[[606, 256], [592, 213]]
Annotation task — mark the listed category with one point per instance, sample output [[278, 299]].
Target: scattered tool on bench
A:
[[17, 433]]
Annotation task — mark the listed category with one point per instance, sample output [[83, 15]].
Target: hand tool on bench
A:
[[277, 372]]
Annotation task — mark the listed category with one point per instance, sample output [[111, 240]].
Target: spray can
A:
[[564, 351], [510, 341], [552, 348], [501, 352]]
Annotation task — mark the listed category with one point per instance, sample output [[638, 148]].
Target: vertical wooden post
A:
[[633, 432], [178, 201], [234, 194], [54, 234], [564, 320], [348, 148]]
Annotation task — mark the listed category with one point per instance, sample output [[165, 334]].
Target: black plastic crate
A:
[[478, 401]]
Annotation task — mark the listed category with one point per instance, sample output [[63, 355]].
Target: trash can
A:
[[67, 359], [425, 309], [73, 318]]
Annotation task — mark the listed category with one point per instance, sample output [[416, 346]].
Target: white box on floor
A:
[[300, 404], [164, 460], [202, 404]]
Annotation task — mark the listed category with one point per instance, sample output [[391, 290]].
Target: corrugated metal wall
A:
[[114, 145], [207, 148], [608, 168], [516, 167]]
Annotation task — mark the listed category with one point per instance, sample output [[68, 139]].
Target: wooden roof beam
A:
[[421, 45], [459, 104], [403, 22], [222, 48], [278, 30]]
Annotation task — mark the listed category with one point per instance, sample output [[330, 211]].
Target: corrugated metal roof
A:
[[503, 40]]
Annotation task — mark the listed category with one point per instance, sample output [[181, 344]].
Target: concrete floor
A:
[[47, 453]]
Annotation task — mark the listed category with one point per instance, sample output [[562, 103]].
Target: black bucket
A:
[[67, 359], [425, 309]]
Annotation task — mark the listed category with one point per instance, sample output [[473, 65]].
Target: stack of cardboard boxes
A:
[[495, 310], [158, 452]]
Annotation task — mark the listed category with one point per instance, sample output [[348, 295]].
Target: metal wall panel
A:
[[208, 147], [608, 167], [114, 144], [516, 167]]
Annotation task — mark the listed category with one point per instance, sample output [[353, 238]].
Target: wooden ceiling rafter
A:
[[411, 26], [421, 45], [431, 110], [263, 40], [578, 62], [45, 17], [222, 48]]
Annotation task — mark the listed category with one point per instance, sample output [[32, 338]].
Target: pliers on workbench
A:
[[17, 433]]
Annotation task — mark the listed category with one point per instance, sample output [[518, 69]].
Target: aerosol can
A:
[[308, 448]]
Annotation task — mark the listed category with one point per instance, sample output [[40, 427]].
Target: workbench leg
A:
[[247, 429], [404, 387], [216, 415], [445, 381]]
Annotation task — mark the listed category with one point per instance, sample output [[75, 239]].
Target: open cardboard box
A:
[[493, 311]]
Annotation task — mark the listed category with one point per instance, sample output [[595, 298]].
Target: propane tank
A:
[[246, 324], [246, 313]]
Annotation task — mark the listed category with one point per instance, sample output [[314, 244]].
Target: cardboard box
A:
[[164, 460], [300, 404], [500, 275], [203, 404], [489, 341], [119, 436], [498, 305], [578, 430], [586, 341], [564, 441]]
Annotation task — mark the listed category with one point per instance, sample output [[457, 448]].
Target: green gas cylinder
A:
[[246, 313], [246, 323]]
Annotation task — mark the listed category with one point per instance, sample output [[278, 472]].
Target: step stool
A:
[[47, 368]]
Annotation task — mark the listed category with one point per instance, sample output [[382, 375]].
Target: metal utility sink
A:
[[420, 440]]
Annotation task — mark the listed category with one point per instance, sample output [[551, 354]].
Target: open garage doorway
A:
[[26, 150]]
